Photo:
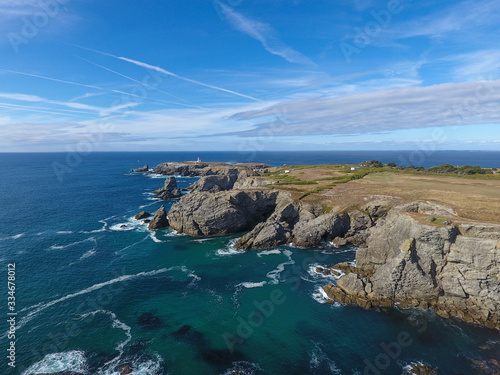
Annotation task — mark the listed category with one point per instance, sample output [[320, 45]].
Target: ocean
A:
[[96, 292]]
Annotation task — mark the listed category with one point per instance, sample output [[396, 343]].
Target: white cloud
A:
[[387, 110], [265, 34]]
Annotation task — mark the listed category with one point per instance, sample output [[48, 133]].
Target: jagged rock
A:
[[192, 169], [169, 189], [142, 215], [351, 284], [214, 184], [245, 182], [323, 228], [421, 369], [142, 169], [264, 235], [202, 213], [377, 209], [125, 370], [276, 230], [451, 270], [159, 219]]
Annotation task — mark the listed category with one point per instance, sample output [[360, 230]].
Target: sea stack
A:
[[169, 189], [159, 219]]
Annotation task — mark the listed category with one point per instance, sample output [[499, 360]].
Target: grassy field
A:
[[473, 197]]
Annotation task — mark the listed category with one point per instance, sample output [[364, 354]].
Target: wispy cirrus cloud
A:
[[264, 33], [387, 110], [463, 15], [102, 111]]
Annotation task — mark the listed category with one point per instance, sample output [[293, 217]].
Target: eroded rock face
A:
[[214, 184], [159, 219], [323, 228], [205, 214], [453, 270], [169, 189]]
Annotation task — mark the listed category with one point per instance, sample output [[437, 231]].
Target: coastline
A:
[[447, 265]]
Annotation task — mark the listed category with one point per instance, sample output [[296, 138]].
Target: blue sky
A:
[[249, 75]]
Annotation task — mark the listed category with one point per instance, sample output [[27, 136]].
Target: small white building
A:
[[287, 171], [355, 168]]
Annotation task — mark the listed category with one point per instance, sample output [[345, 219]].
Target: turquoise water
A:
[[93, 296]]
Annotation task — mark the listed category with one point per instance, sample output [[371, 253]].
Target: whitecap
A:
[[250, 285], [318, 275], [35, 310], [116, 323], [320, 296], [243, 368], [132, 245], [268, 252], [407, 369], [152, 235], [58, 362], [173, 233], [229, 249], [14, 237], [201, 240], [64, 232], [275, 274], [59, 247], [104, 226], [131, 224], [320, 360], [139, 366], [88, 254]]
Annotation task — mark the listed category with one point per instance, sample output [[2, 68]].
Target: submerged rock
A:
[[159, 219], [61, 373], [420, 369], [149, 321], [142, 215]]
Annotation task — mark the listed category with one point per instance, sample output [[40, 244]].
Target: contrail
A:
[[67, 82], [166, 72], [140, 83]]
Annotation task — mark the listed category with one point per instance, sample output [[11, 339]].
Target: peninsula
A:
[[428, 238]]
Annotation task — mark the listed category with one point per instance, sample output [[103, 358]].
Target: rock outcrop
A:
[[198, 169], [142, 169], [451, 269], [142, 215], [169, 190], [214, 184], [205, 214], [159, 219], [323, 228]]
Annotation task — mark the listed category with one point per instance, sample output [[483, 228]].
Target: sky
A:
[[249, 75]]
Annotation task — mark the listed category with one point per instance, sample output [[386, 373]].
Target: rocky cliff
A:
[[406, 257], [450, 268], [198, 169]]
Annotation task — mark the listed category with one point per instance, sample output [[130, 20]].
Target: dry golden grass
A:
[[476, 199]]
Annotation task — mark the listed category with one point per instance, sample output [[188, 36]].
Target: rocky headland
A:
[[418, 254]]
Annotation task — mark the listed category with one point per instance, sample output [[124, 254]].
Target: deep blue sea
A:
[[96, 291]]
